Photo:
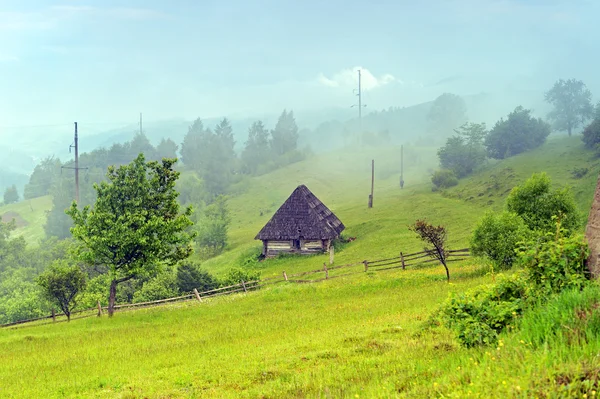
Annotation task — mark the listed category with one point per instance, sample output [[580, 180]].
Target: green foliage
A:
[[464, 151], [536, 203], [557, 263], [591, 134], [61, 284], [43, 177], [191, 191], [210, 155], [479, 315], [166, 149], [434, 238], [237, 275], [162, 286], [497, 237], [257, 148], [135, 225], [212, 227], [190, 276], [11, 195], [572, 103], [443, 178], [520, 132], [284, 138]]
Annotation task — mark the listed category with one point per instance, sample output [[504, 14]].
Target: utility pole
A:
[[372, 183], [140, 123], [360, 104], [401, 166], [76, 168]]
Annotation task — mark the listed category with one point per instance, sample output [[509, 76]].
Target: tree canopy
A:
[[134, 226], [464, 151], [572, 102], [11, 195], [520, 132]]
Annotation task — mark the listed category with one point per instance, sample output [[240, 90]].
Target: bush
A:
[[237, 275], [190, 276], [557, 263], [497, 236], [520, 132], [444, 179], [578, 173], [464, 151], [591, 134], [537, 204], [479, 315], [162, 286]]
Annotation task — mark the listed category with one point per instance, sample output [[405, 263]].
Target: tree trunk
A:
[[68, 316], [112, 297], [447, 271]]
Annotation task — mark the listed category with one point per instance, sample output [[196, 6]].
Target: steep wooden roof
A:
[[302, 216]]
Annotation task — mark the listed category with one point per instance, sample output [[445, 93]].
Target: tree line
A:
[[473, 143]]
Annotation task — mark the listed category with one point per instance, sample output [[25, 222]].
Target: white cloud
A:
[[348, 78]]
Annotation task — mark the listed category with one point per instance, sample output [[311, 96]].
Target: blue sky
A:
[[105, 61]]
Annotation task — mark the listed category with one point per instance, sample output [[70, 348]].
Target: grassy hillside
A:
[[357, 336], [30, 216]]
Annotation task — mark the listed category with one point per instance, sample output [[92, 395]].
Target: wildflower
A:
[[522, 341], [493, 358]]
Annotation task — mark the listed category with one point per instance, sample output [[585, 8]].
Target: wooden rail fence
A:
[[402, 261]]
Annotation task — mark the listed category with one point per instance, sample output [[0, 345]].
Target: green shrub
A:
[[162, 286], [237, 275], [444, 178], [556, 263], [190, 276], [537, 204], [591, 134], [479, 315], [497, 236]]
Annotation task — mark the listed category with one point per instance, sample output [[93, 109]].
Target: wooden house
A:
[[303, 224]]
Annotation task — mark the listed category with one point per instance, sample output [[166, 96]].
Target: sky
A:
[[103, 62]]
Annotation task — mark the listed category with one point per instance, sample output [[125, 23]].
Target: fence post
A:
[[402, 259], [244, 285], [366, 265], [331, 254], [326, 271], [53, 315], [99, 308], [198, 297], [285, 276]]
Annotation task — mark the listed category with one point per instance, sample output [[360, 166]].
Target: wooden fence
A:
[[402, 261]]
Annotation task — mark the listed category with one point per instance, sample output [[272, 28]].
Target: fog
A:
[[101, 63]]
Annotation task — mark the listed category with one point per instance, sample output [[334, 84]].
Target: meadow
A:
[[357, 336]]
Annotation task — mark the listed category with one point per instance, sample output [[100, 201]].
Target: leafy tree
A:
[[193, 148], [537, 204], [257, 148], [135, 225], [43, 177], [191, 190], [572, 103], [166, 149], [434, 238], [190, 276], [61, 284], [447, 112], [497, 237], [520, 132], [11, 195], [213, 226], [141, 145], [591, 134], [464, 151], [162, 286], [284, 138], [237, 275]]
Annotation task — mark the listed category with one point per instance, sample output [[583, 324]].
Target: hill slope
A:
[[356, 336]]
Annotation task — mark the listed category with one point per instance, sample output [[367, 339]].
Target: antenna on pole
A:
[[141, 123], [76, 168], [360, 105]]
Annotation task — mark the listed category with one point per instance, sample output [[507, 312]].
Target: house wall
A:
[[306, 247]]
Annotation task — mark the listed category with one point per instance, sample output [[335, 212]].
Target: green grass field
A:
[[358, 336], [30, 216]]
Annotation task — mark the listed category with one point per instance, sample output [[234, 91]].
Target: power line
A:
[[76, 168]]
